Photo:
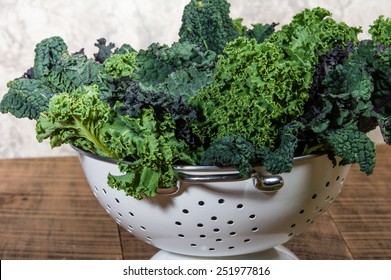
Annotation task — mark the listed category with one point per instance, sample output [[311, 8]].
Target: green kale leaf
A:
[[26, 98], [381, 30], [255, 92], [207, 24], [181, 69], [231, 151], [153, 150]]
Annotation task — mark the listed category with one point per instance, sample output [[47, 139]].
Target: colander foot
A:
[[277, 253]]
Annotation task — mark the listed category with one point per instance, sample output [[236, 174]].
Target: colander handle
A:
[[265, 183]]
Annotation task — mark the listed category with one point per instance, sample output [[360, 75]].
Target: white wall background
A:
[[24, 23]]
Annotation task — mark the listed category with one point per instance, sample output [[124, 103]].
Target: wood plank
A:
[[47, 211], [321, 241], [362, 213]]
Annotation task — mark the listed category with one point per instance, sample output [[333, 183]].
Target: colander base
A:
[[277, 253]]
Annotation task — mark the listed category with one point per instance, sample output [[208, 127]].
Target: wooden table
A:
[[47, 211]]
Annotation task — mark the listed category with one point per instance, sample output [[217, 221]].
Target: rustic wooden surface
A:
[[47, 211]]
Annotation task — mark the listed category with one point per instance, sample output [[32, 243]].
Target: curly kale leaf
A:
[[121, 65], [47, 53], [153, 150], [207, 24], [312, 33], [76, 118], [381, 30], [353, 146], [231, 151], [255, 92], [181, 69], [26, 98]]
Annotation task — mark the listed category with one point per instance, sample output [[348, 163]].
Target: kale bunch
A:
[[55, 71]]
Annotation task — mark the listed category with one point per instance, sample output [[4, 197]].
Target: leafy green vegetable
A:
[[312, 33], [179, 70], [259, 31], [207, 24], [76, 118], [26, 98], [146, 148], [121, 65], [381, 30], [47, 53], [255, 92], [231, 151], [153, 150]]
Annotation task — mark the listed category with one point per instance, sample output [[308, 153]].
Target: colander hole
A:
[[202, 236], [239, 206], [320, 210], [104, 191], [212, 249], [308, 221], [231, 247], [201, 203], [252, 217], [327, 198], [178, 223], [142, 227], [246, 240], [96, 188], [181, 235], [130, 227], [200, 225], [331, 199], [301, 211], [149, 238], [230, 222], [193, 245], [213, 218], [119, 214], [254, 229], [117, 200], [336, 179], [327, 184], [108, 206], [314, 196], [232, 233], [185, 211], [290, 234], [216, 230], [221, 201], [118, 221], [219, 240], [131, 214], [293, 225]]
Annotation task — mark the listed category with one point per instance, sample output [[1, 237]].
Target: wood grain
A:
[[47, 211]]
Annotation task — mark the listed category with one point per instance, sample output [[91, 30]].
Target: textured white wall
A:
[[23, 23]]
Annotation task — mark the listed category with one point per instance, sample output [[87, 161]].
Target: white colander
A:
[[213, 212]]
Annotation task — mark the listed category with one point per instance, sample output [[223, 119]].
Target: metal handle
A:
[[266, 183]]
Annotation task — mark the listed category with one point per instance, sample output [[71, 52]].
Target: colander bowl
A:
[[212, 212]]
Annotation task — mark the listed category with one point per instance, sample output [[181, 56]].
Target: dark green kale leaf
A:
[[181, 69], [207, 24], [352, 146], [47, 53], [231, 151], [26, 98]]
